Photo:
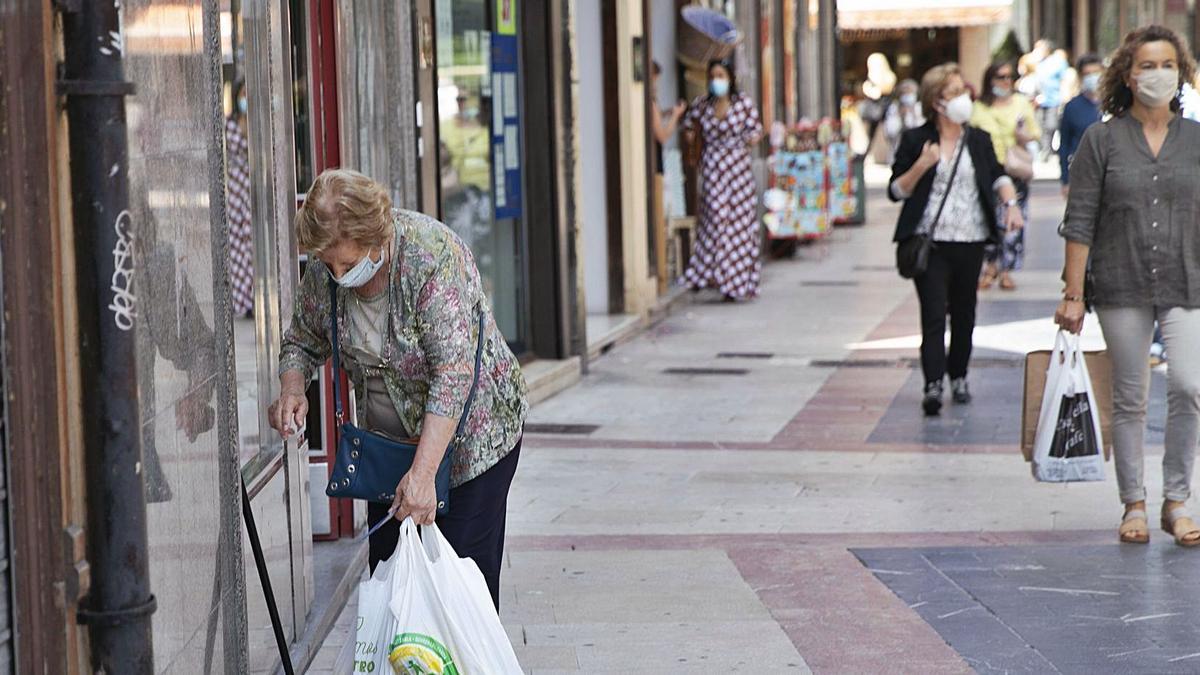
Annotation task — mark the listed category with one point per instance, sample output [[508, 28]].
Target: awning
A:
[[902, 14]]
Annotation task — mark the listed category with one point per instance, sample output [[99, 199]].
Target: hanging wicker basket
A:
[[704, 35]]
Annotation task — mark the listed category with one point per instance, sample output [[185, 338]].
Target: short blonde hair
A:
[[343, 204], [933, 83]]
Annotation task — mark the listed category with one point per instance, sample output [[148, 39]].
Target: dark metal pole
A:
[[264, 577], [118, 608]]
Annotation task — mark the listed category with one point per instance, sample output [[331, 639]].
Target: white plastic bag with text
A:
[[1068, 445]]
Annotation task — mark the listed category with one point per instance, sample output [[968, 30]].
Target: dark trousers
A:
[[949, 286], [474, 526]]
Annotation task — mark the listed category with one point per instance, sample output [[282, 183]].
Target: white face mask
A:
[[908, 99], [958, 109], [1156, 88], [361, 273]]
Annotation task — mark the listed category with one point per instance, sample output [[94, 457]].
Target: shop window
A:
[[469, 162], [257, 453], [301, 97]]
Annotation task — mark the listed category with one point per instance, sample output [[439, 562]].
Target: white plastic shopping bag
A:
[[422, 613], [376, 623], [1068, 445], [465, 596]]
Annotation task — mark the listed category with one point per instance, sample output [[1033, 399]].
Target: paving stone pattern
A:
[[788, 519], [1054, 609]]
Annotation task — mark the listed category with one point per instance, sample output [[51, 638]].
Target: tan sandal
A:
[[1007, 283], [1179, 524], [1135, 529], [987, 280]]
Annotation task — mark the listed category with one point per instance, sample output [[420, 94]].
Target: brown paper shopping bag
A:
[[1036, 364]]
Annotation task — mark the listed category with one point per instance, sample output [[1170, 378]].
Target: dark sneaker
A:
[[960, 391], [932, 403]]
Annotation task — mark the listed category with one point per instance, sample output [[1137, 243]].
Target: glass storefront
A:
[[266, 139], [471, 170], [182, 328]]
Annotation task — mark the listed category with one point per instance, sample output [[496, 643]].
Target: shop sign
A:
[[506, 122], [506, 17]]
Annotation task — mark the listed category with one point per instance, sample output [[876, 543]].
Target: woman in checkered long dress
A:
[[726, 256]]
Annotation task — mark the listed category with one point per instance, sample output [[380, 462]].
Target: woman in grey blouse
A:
[[1134, 208]]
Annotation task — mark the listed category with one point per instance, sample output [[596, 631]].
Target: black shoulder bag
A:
[[368, 465], [912, 254]]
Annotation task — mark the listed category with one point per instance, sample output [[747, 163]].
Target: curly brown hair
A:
[[1115, 95]]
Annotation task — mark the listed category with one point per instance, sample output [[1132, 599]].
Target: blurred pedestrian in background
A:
[[664, 126], [1134, 209], [1080, 113], [903, 113], [1051, 69], [948, 176], [726, 122], [1008, 117], [878, 91]]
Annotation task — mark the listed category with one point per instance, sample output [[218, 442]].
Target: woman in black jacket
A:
[[955, 205]]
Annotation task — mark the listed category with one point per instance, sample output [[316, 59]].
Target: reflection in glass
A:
[[300, 96], [255, 454], [464, 100]]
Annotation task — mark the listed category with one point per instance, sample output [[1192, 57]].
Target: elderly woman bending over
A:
[[408, 298]]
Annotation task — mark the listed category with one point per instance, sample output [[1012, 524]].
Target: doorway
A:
[[475, 103]]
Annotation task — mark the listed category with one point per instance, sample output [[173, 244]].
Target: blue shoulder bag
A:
[[368, 465]]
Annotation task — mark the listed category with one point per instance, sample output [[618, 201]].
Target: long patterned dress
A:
[[726, 256], [241, 236]]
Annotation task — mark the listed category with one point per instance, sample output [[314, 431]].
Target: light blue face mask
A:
[[361, 273], [242, 105], [1091, 83], [1001, 92], [719, 86]]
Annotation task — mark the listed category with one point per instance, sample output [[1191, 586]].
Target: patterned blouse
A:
[[962, 220], [434, 296]]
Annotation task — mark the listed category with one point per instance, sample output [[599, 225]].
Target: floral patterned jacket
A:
[[434, 297]]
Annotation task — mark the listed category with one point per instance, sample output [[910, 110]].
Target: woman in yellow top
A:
[[1010, 120]]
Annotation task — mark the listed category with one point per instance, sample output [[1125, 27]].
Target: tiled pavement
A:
[[796, 515]]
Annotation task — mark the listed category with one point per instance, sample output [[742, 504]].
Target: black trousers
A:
[[474, 526], [949, 286]]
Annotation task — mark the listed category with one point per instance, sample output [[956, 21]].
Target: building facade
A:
[[523, 125]]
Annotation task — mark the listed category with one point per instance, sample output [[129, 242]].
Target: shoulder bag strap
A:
[[962, 146], [337, 363]]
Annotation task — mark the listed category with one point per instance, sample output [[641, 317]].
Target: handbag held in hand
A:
[[368, 465], [1018, 163]]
